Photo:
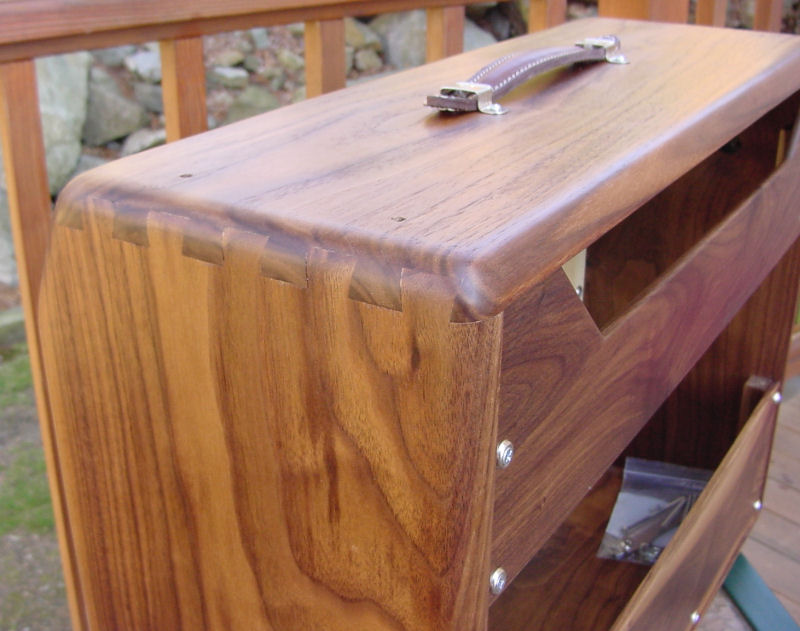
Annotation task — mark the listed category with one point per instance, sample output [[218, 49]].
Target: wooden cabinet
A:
[[282, 354]]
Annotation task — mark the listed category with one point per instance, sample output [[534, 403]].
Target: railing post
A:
[[183, 80], [325, 61], [546, 13], [711, 12], [445, 32], [31, 220], [768, 15]]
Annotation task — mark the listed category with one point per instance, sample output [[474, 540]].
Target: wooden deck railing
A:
[[34, 28]]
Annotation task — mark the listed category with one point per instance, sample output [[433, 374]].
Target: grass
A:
[[15, 375], [24, 494]]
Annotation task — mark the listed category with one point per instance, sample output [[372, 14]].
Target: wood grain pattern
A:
[[658, 10], [325, 58], [30, 215], [444, 34], [692, 567], [793, 359], [783, 498], [274, 350], [184, 87], [777, 532], [38, 19], [545, 14], [566, 586], [697, 424], [768, 14], [26, 173], [711, 12], [500, 230], [568, 390], [44, 27], [242, 453], [787, 441]]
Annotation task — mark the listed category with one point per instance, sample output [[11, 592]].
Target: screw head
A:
[[695, 617], [777, 397], [505, 453], [498, 581], [757, 504]]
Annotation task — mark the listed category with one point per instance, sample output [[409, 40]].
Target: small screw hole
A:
[[398, 219], [185, 175]]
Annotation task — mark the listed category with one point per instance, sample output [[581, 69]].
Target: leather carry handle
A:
[[501, 76]]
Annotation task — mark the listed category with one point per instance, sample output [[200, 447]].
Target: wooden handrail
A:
[[33, 29]]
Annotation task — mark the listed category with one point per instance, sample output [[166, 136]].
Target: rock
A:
[[298, 29], [145, 64], [578, 11], [299, 94], [229, 77], [475, 36], [88, 162], [227, 57], [253, 63], [268, 73], [349, 59], [367, 60], [252, 100], [218, 101], [62, 82], [274, 75], [110, 115], [291, 61], [359, 35], [143, 139], [260, 38], [113, 57], [402, 36], [500, 25], [150, 96]]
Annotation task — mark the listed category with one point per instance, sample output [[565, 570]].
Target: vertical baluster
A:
[[445, 32], [184, 87], [325, 60], [31, 217], [711, 12], [546, 13], [768, 15]]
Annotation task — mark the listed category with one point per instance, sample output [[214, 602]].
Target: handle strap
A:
[[501, 76]]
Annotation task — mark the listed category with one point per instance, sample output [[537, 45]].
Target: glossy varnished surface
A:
[[494, 203], [573, 396], [241, 453]]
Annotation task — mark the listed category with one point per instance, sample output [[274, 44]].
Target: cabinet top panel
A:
[[494, 202]]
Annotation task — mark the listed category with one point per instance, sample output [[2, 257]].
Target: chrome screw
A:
[[498, 580], [757, 504], [505, 454], [777, 398], [695, 617]]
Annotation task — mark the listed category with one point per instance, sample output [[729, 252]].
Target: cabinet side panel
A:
[[244, 453]]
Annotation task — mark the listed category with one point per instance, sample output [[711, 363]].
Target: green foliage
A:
[[24, 494], [15, 376]]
